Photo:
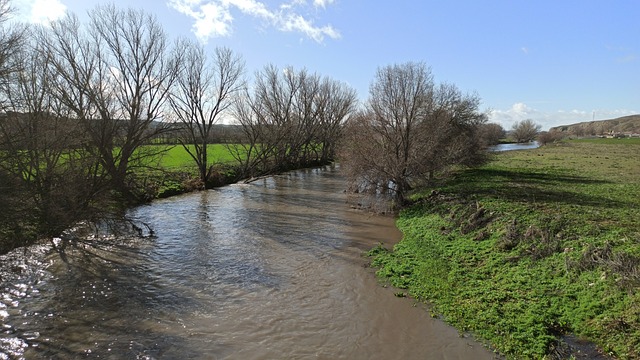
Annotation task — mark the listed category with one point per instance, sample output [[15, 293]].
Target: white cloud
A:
[[212, 18], [250, 7], [517, 112], [292, 4], [40, 11], [322, 3], [521, 111], [295, 22]]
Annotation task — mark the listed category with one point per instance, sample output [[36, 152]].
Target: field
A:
[[176, 156], [623, 141], [173, 171], [531, 251]]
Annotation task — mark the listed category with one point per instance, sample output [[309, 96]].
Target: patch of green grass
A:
[[177, 157], [171, 170], [534, 245]]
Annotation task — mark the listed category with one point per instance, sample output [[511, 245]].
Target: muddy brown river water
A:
[[273, 269]]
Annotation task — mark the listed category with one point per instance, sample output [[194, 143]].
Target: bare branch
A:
[[410, 128], [205, 89]]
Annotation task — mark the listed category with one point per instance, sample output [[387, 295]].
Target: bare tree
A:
[[12, 37], [277, 117], [204, 90], [450, 132], [381, 140], [410, 128], [42, 157], [525, 130], [336, 101], [115, 78], [262, 115], [13, 197], [247, 148], [291, 119]]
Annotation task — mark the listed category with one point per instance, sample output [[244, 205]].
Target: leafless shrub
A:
[[409, 129], [468, 217], [549, 137], [541, 242], [478, 219], [592, 257], [626, 266], [511, 237]]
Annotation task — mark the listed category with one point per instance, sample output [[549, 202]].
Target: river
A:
[[273, 269], [515, 146]]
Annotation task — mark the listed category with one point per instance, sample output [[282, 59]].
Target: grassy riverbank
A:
[[535, 245], [173, 171]]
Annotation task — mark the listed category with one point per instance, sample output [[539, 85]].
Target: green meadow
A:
[[176, 157], [171, 170], [610, 141], [531, 250]]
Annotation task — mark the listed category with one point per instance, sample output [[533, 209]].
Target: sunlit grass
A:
[[176, 156], [533, 245], [612, 141]]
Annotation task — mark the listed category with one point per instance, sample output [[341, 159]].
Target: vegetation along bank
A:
[[532, 247]]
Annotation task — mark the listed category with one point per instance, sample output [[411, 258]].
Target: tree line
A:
[[81, 100]]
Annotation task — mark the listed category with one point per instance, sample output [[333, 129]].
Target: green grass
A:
[[173, 171], [177, 157], [623, 141], [534, 245]]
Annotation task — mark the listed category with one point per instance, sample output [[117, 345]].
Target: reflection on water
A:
[[267, 270], [514, 146]]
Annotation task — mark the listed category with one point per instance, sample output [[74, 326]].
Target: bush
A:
[[549, 137]]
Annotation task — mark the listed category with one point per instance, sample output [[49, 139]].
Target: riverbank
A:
[[164, 183], [162, 171], [530, 248], [174, 172]]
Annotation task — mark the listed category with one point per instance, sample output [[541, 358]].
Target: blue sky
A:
[[555, 62]]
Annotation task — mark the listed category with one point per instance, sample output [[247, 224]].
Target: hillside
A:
[[626, 125]]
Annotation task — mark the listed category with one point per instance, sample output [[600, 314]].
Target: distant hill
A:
[[626, 125]]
